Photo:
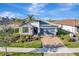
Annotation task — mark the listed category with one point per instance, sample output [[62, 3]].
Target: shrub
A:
[[9, 30], [28, 36], [24, 38], [36, 38], [16, 30], [61, 32]]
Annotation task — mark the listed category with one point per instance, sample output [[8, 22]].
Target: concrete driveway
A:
[[54, 43], [47, 40]]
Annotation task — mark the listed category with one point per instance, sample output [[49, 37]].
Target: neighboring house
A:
[[38, 27], [14, 24], [70, 25]]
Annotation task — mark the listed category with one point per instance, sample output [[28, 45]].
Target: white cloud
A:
[[65, 7], [36, 8], [70, 4], [66, 4], [10, 14]]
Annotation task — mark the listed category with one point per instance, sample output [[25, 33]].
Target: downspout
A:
[[75, 26]]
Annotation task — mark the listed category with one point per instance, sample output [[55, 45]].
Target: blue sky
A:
[[40, 10]]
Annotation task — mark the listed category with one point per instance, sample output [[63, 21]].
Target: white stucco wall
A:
[[29, 30], [71, 29], [35, 24]]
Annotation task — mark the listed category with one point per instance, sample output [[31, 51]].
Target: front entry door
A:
[[35, 30]]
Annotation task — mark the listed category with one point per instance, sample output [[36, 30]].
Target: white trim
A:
[[48, 27]]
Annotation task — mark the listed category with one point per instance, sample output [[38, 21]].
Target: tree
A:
[[13, 19], [6, 36], [30, 18], [4, 43], [5, 40]]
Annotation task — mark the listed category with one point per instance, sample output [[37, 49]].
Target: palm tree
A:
[[30, 18], [13, 19]]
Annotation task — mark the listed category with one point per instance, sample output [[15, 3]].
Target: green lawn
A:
[[72, 44], [33, 44], [67, 43], [21, 54], [77, 54]]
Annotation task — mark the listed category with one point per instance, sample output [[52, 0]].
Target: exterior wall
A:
[[29, 30], [35, 23], [71, 29]]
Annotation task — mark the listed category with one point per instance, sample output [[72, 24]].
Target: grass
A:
[[33, 44], [72, 44], [69, 44], [21, 54], [77, 54]]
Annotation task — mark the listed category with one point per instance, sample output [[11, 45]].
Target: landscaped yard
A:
[[33, 44], [66, 40], [77, 54], [72, 44], [18, 40], [21, 54], [68, 43]]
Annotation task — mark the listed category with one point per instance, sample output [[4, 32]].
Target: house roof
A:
[[15, 24], [69, 22], [38, 19]]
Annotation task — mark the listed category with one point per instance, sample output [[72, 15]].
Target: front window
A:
[[25, 29]]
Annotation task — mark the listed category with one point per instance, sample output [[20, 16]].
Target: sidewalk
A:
[[41, 50]]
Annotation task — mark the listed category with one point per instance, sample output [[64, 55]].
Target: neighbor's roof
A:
[[70, 22]]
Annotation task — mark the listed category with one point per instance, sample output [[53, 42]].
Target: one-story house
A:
[[38, 27], [43, 27], [69, 25]]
